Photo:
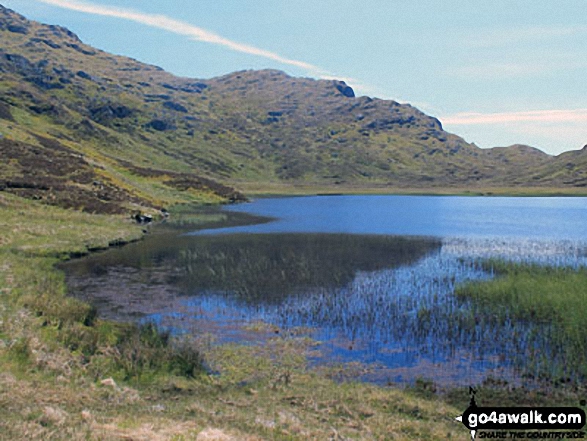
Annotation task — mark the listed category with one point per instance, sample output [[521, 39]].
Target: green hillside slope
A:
[[116, 133]]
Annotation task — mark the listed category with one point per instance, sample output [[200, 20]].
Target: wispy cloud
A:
[[511, 53], [508, 37], [544, 116], [499, 70], [199, 34], [529, 65], [554, 131], [182, 28]]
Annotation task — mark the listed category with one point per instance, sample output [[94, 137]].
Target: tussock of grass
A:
[[124, 351]]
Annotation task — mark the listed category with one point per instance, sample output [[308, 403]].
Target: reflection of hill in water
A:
[[259, 268], [265, 268]]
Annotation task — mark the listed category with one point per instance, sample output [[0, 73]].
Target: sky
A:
[[496, 72]]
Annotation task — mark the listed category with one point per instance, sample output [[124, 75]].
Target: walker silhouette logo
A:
[[535, 422]]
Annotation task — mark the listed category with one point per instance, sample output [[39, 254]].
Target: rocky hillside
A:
[[74, 138], [87, 129]]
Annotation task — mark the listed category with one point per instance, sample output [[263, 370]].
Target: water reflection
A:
[[378, 299], [255, 269]]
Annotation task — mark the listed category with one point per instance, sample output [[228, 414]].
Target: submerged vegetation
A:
[[550, 302], [259, 269]]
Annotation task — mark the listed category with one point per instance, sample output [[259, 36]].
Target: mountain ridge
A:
[[240, 128]]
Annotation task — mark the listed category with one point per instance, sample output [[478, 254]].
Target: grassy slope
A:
[[242, 128], [60, 141], [50, 386]]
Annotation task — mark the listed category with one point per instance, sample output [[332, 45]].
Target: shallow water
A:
[[370, 277]]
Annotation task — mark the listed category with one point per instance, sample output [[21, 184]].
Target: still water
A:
[[371, 278], [438, 216]]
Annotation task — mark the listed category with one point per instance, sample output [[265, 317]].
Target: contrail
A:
[[181, 28]]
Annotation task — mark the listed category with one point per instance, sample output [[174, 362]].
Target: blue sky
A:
[[495, 72]]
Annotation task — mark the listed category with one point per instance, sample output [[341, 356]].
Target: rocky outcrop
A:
[[188, 87], [160, 125], [103, 114], [5, 112], [13, 22], [175, 106], [342, 87], [45, 41]]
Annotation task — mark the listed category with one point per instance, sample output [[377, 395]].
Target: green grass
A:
[[541, 296], [31, 228], [533, 292]]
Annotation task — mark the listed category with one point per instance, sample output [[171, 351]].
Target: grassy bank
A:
[[66, 374]]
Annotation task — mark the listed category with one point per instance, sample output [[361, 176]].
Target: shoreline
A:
[[170, 293], [52, 385], [296, 189]]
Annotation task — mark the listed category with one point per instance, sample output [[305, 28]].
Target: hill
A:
[[91, 130]]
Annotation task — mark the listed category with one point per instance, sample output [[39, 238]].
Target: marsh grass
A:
[[267, 268], [550, 301], [191, 217]]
